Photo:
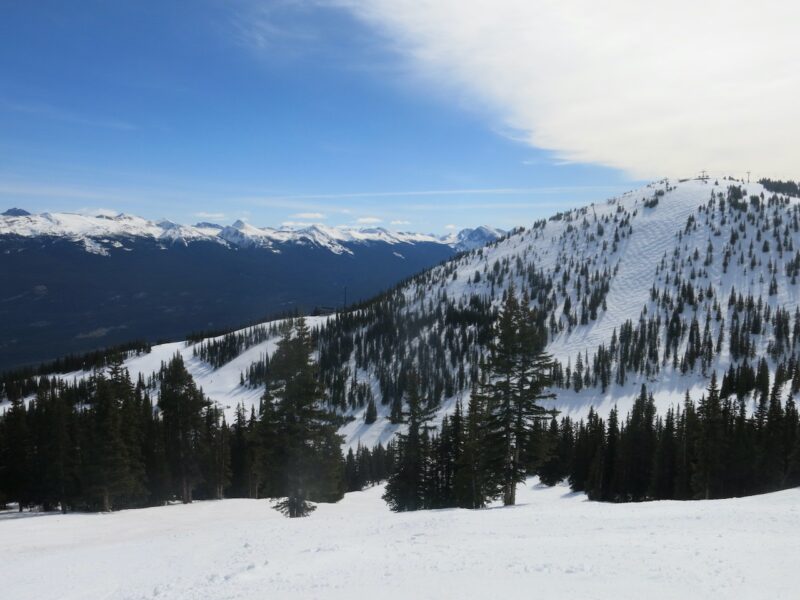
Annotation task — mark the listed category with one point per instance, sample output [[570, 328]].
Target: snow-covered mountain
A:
[[103, 232], [663, 286], [469, 239], [73, 283]]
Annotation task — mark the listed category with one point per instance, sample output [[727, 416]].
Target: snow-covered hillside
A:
[[99, 233], [554, 544], [660, 286]]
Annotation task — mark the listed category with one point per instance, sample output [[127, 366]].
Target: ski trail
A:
[[653, 234]]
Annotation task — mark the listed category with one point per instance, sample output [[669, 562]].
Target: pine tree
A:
[[352, 479], [687, 432], [309, 465], [371, 414], [662, 485], [16, 454], [57, 476], [707, 474], [471, 477], [241, 455], [406, 488], [639, 445], [552, 456], [606, 478], [215, 460], [106, 472], [182, 407], [157, 471], [518, 373], [789, 440]]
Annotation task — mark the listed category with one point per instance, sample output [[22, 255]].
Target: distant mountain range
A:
[[72, 283], [101, 233]]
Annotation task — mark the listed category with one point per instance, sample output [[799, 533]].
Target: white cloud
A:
[[98, 211], [309, 215], [451, 226], [368, 220], [650, 88], [401, 222], [209, 215]]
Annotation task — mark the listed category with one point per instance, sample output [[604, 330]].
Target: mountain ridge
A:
[[95, 231], [75, 283]]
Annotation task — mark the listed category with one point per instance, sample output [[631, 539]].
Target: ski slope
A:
[[554, 544]]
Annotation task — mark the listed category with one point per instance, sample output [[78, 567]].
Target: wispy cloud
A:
[[656, 88], [209, 215], [451, 226], [318, 216], [400, 222], [274, 29], [47, 111], [98, 211], [368, 220], [441, 192]]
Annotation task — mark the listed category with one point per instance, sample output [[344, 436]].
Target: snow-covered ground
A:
[[554, 544]]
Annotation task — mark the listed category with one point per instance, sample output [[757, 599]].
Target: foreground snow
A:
[[553, 545]]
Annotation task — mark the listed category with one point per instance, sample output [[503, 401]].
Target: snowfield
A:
[[554, 544]]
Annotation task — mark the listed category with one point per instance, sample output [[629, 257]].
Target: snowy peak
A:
[[469, 239], [93, 230], [15, 212]]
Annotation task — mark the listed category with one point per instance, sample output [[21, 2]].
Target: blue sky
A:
[[283, 112]]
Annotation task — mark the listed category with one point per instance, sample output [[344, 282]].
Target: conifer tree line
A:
[[222, 349], [482, 456], [104, 443], [714, 448]]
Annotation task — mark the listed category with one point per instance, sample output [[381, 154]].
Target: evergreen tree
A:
[[470, 482], [371, 414], [309, 465], [182, 406], [518, 374], [16, 451], [662, 485], [106, 474], [241, 455], [605, 474], [406, 487], [553, 452], [215, 461], [707, 475], [639, 446]]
